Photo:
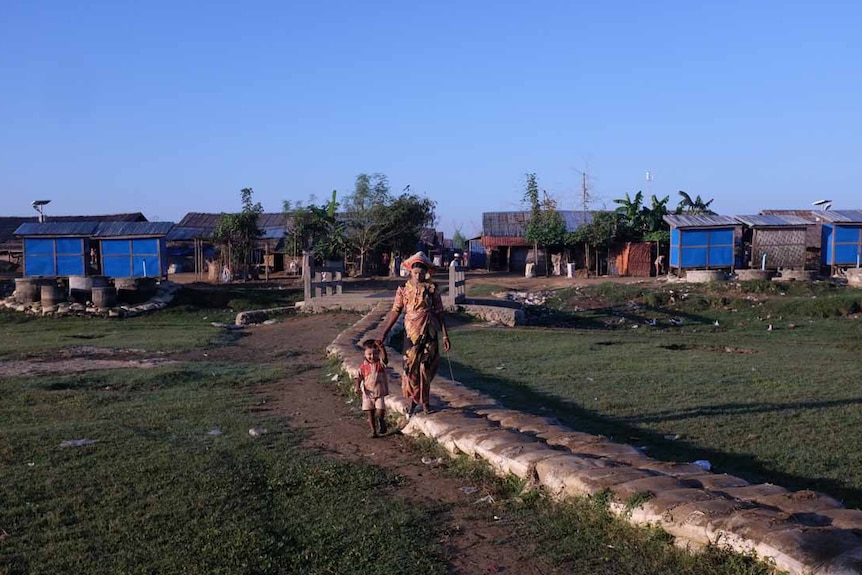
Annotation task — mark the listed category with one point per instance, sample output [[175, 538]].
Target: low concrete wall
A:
[[496, 314]]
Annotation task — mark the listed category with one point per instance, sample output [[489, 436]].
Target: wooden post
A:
[[452, 284], [306, 276]]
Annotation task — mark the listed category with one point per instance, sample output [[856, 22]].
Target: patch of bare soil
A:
[[74, 365], [478, 540]]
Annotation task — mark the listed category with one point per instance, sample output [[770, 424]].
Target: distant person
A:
[[659, 265], [372, 385], [420, 302]]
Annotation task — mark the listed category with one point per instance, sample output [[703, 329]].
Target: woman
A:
[[420, 301]]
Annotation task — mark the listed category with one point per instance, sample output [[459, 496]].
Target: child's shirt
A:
[[373, 378]]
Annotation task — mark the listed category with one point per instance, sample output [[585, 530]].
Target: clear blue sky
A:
[[169, 107]]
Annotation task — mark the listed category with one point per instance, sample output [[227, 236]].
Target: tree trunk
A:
[[587, 258]]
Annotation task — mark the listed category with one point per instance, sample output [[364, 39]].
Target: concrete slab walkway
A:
[[803, 532]]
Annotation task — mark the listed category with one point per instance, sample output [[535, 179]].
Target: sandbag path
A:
[[802, 532]]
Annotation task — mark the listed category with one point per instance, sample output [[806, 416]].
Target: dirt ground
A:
[[479, 541]]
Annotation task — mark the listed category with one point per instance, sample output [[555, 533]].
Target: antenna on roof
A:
[[39, 206], [825, 204]]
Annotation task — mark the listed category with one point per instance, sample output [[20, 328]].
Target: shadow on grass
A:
[[656, 445], [738, 409]]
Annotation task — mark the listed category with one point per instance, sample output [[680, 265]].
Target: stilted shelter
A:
[[841, 238], [703, 241]]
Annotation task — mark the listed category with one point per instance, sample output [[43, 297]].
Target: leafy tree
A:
[[695, 206], [372, 220], [317, 230], [654, 215], [404, 219], [238, 233], [641, 222], [657, 229], [546, 226], [459, 242], [632, 212], [599, 234], [365, 214]]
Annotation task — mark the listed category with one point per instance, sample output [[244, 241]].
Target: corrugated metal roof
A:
[[576, 219], [514, 224], [129, 217], [773, 221], [131, 229], [273, 233], [841, 216], [180, 234], [808, 215], [10, 224], [699, 221], [210, 220], [199, 220], [94, 229], [57, 229]]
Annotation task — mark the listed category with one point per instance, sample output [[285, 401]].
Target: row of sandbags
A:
[[803, 532]]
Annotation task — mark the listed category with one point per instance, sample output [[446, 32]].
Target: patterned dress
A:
[[422, 308]]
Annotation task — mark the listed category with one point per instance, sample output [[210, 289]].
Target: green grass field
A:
[[175, 484], [783, 405]]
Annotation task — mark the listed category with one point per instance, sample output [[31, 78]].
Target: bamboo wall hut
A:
[[190, 242], [774, 242], [507, 249]]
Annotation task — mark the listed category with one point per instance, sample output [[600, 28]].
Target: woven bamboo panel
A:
[[784, 248]]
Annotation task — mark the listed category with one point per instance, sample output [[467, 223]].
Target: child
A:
[[373, 384]]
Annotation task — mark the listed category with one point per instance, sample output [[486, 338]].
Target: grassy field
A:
[[182, 327], [173, 482], [781, 405]]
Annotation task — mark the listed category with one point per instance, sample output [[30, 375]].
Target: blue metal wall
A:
[[701, 248], [124, 258], [54, 256], [841, 244]]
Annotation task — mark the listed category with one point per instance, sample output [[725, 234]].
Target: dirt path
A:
[[478, 541]]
